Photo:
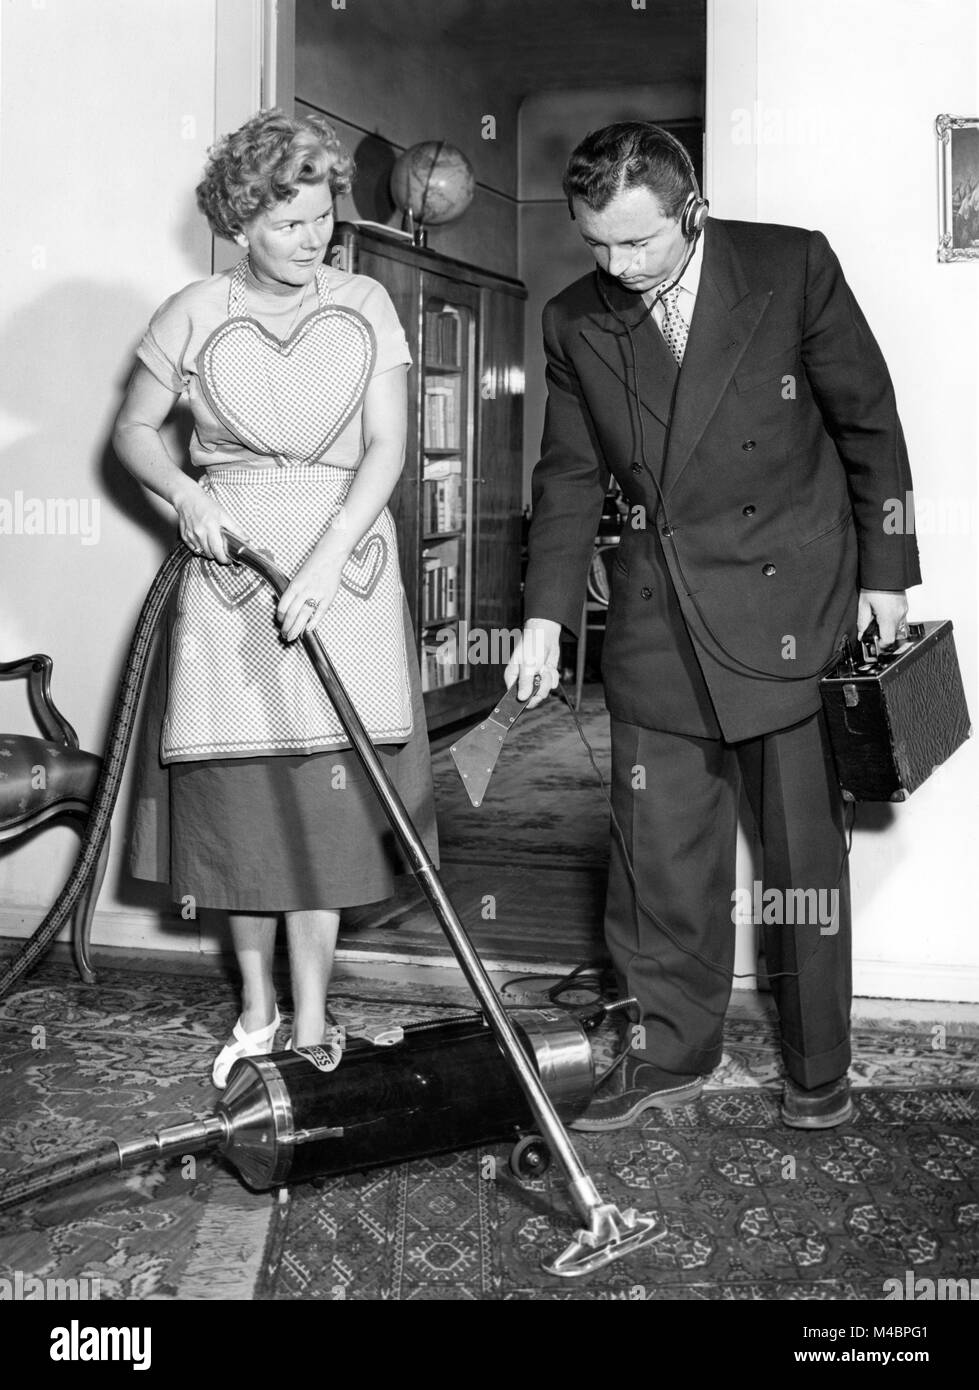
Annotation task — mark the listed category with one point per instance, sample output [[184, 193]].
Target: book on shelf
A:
[[441, 413], [440, 591], [439, 665], [442, 503], [440, 468], [443, 336]]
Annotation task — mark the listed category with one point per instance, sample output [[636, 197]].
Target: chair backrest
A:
[[599, 588], [36, 670]]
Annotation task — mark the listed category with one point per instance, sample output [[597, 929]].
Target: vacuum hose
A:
[[607, 1233], [110, 779]]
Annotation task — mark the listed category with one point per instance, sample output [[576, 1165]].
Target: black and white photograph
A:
[[488, 654]]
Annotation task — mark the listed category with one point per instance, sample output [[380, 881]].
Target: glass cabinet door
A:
[[446, 479], [457, 504]]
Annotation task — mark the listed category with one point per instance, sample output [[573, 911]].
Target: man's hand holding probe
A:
[[538, 653]]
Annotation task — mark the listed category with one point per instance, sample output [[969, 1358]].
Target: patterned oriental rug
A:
[[753, 1211]]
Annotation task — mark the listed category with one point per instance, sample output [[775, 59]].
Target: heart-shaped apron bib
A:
[[236, 690]]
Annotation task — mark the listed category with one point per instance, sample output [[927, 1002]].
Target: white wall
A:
[[107, 108], [820, 113]]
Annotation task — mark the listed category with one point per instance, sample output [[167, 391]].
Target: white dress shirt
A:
[[688, 286]]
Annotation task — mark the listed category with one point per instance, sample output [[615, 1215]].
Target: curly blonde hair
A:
[[264, 162]]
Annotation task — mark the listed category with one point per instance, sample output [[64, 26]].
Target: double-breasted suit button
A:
[[666, 531], [748, 445], [749, 510], [768, 571], [646, 591], [636, 467]]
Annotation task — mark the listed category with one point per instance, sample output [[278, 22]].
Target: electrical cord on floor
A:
[[574, 980], [590, 976]]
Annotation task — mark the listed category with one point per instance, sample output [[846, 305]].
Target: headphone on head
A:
[[694, 212], [692, 218]]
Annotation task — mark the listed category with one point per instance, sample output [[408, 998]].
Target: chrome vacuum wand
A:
[[607, 1233], [110, 1156]]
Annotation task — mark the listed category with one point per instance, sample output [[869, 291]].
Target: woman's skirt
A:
[[280, 833]]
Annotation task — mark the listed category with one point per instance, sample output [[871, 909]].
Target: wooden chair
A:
[[44, 778]]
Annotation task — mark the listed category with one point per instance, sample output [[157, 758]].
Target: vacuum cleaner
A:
[[287, 1118], [442, 1087]]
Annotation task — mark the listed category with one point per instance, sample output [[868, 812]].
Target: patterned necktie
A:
[[674, 324]]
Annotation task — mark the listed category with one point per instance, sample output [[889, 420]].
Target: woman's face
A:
[[287, 243]]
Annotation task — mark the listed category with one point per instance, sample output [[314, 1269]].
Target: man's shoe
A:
[[633, 1087], [824, 1107]]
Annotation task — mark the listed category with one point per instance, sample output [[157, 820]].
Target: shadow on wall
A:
[[63, 381], [371, 194]]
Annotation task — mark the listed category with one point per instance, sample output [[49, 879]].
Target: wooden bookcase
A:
[[458, 504]]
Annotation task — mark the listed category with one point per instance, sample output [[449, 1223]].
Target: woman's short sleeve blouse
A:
[[180, 327]]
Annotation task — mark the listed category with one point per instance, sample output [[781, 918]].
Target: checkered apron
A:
[[236, 690]]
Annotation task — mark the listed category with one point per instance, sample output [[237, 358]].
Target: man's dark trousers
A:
[[680, 830]]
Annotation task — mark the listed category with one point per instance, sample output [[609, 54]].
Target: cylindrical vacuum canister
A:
[[446, 1086]]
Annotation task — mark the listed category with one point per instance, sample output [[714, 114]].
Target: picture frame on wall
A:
[[958, 187]]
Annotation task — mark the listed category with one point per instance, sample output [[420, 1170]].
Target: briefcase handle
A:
[[873, 651]]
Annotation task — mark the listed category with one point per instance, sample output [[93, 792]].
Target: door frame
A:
[[254, 69]]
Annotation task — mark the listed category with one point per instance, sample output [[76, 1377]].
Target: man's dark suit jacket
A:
[[776, 447]]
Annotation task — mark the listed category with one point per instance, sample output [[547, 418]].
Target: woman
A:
[[295, 375]]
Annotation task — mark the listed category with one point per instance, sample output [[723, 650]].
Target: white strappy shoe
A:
[[244, 1044]]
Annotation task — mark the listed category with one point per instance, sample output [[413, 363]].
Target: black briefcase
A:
[[895, 714]]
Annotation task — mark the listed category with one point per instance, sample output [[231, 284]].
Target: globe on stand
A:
[[432, 183]]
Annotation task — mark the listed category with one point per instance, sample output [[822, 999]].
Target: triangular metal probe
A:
[[476, 753]]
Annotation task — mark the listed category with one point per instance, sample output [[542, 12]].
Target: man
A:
[[748, 417]]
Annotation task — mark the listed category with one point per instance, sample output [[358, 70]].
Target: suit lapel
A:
[[726, 315]]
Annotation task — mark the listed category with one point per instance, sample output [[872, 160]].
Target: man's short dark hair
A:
[[629, 154]]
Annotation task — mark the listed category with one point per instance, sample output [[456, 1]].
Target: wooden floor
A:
[[526, 870], [521, 916]]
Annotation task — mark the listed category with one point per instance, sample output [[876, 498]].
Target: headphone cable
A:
[[658, 294]]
